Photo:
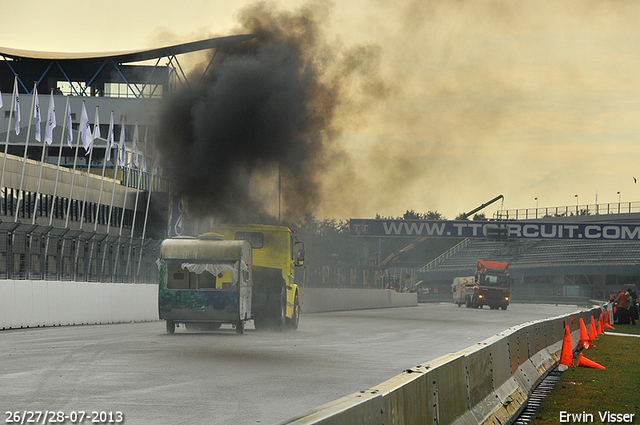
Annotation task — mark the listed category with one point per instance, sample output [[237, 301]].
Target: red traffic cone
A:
[[592, 330], [566, 357], [607, 321], [584, 342], [585, 362]]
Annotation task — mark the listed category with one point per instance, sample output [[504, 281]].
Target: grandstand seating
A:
[[542, 253]]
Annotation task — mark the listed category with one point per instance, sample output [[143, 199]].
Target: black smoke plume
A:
[[269, 102]]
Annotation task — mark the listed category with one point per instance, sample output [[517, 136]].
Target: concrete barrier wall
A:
[[315, 300], [25, 303], [488, 383]]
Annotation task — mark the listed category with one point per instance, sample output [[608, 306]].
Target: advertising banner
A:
[[497, 229]]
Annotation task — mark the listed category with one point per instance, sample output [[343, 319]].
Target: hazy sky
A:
[[524, 99]]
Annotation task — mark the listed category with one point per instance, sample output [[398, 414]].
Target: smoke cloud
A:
[[266, 113]]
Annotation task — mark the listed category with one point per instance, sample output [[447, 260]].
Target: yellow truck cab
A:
[[276, 253]]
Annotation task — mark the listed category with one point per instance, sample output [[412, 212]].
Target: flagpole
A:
[[96, 125], [146, 212], [73, 175], [55, 187], [44, 149], [6, 142], [104, 167], [135, 205], [124, 204], [26, 147], [141, 169], [113, 192]]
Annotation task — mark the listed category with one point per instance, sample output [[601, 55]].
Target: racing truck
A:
[[492, 285], [233, 274], [462, 288], [205, 282], [276, 253]]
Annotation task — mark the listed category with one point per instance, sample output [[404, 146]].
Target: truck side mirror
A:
[[300, 254]]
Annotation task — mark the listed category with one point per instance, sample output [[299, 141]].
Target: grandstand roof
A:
[[130, 55]]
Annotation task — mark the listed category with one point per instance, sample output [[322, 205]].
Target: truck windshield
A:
[[494, 280], [185, 275]]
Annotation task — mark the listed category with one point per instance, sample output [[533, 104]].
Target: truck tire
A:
[[295, 320], [171, 327], [240, 327], [279, 305], [504, 307]]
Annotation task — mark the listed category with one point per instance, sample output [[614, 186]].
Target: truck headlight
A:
[[506, 298], [479, 296]]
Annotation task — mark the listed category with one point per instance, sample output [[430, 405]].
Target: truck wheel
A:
[[295, 320], [171, 327], [240, 327], [279, 309], [459, 304], [504, 307]]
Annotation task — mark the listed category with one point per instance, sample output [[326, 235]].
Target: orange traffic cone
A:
[[592, 330], [585, 362], [584, 342], [572, 320], [599, 328], [607, 322], [566, 357]]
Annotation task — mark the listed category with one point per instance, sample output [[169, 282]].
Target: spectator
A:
[[622, 317]]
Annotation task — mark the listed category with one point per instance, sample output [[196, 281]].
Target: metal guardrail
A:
[[568, 211], [34, 252]]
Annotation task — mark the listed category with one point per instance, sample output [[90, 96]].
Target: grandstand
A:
[[545, 268]]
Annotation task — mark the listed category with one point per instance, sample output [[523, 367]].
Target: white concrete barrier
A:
[[315, 300], [488, 383], [25, 303]]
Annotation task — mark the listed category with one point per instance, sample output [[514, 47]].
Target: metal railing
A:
[[568, 211], [434, 263], [34, 252]]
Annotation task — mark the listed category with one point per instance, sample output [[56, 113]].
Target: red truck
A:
[[492, 285]]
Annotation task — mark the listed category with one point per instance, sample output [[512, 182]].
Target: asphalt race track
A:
[[223, 378]]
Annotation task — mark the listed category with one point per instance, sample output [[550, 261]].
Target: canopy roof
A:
[[131, 55]]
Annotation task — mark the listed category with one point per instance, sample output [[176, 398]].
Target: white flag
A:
[[135, 145], [69, 127], [123, 153], [85, 130], [96, 126], [16, 106], [51, 122], [36, 114], [96, 130], [110, 138]]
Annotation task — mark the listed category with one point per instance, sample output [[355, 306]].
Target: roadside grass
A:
[[583, 389]]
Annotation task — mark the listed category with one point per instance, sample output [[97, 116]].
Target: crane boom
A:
[[418, 241]]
